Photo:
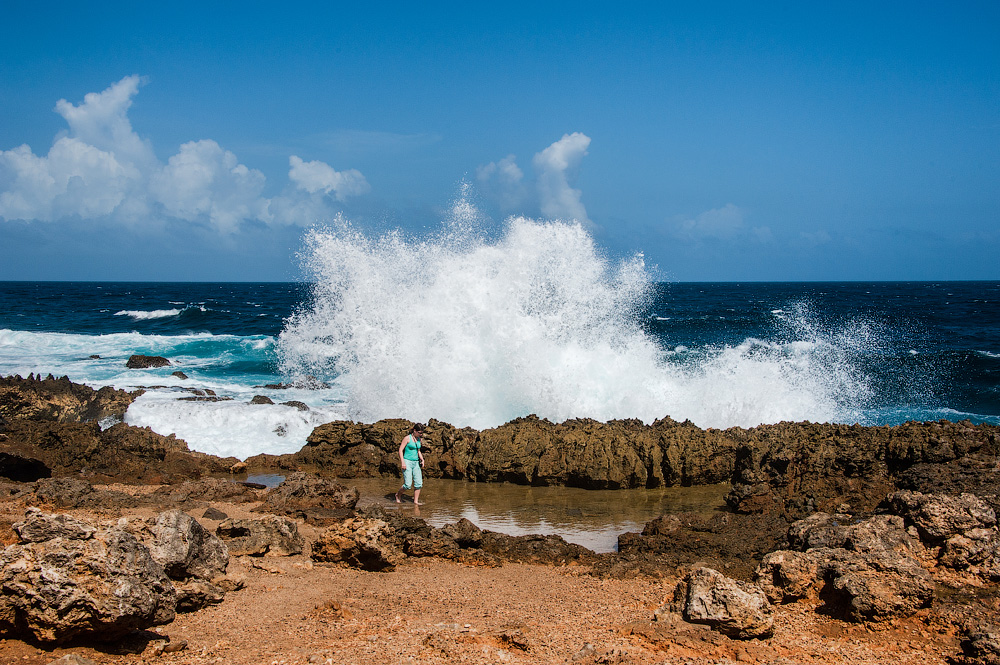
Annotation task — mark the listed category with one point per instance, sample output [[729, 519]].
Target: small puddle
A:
[[592, 518]]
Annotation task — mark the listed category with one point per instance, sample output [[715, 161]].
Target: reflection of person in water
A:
[[411, 459]]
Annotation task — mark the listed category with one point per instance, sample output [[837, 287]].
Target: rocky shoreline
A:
[[876, 527]]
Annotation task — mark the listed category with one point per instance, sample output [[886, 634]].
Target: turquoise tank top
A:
[[412, 446]]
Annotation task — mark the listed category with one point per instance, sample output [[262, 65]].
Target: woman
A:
[[411, 459]]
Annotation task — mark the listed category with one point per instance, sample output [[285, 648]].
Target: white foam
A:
[[141, 315], [228, 428], [477, 332]]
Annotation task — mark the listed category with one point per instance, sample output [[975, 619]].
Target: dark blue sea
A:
[[718, 354]]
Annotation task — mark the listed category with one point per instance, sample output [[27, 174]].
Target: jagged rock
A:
[[73, 493], [271, 536], [214, 514], [977, 551], [261, 399], [39, 527], [798, 468], [736, 609], [301, 406], [197, 594], [186, 549], [980, 646], [881, 533], [180, 375], [60, 400], [138, 361], [533, 548], [101, 583], [735, 540], [315, 500], [464, 533], [856, 586], [120, 453], [940, 516], [199, 492], [361, 542]]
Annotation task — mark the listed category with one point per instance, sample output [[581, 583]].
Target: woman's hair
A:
[[417, 427]]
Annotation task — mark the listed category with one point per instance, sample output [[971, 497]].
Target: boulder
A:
[[976, 551], [735, 609], [941, 516], [269, 536], [83, 581], [852, 585], [139, 361], [313, 499], [980, 646], [186, 549], [361, 542]]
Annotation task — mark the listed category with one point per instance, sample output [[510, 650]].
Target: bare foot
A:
[[418, 503], [397, 498]]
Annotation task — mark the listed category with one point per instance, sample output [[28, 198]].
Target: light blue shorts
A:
[[412, 475]]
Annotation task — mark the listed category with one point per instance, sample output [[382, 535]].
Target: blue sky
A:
[[724, 141]]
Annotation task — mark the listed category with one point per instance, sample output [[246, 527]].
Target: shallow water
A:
[[592, 518]]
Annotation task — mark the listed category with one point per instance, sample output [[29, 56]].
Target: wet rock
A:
[[735, 609], [271, 536], [94, 582], [313, 499], [138, 361], [464, 533], [59, 400], [799, 468], [120, 453], [301, 406], [261, 399], [180, 375], [533, 548], [361, 542], [940, 516], [735, 541]]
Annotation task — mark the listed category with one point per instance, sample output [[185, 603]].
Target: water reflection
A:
[[592, 518]]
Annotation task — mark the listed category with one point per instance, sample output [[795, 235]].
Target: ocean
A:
[[476, 331]]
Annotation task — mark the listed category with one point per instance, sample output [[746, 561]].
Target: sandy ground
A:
[[432, 611]]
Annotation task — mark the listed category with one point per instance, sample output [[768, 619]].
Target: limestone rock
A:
[[100, 583], [313, 499], [977, 551], [361, 542], [186, 549], [270, 536], [736, 609], [941, 516]]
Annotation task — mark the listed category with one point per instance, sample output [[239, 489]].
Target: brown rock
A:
[[139, 361]]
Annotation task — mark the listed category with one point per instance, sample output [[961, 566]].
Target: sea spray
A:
[[477, 331]]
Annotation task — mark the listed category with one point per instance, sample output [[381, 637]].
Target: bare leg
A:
[[399, 498], [416, 497]]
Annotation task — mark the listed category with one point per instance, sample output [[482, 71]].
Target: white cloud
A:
[[555, 166], [315, 177], [204, 181], [553, 194], [101, 168], [503, 181]]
